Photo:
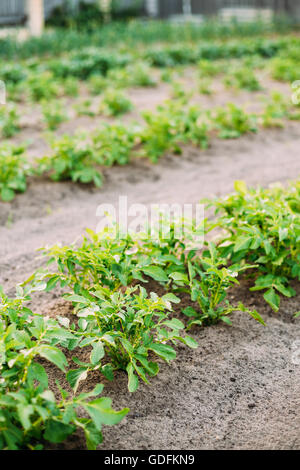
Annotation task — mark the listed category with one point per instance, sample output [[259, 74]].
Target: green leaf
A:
[[37, 372], [24, 413], [57, 431], [133, 380], [164, 351], [97, 353], [190, 342], [190, 312], [52, 283], [75, 376], [76, 298], [108, 372], [272, 298], [177, 276], [156, 273], [226, 320], [7, 194], [287, 291], [93, 437], [175, 324], [54, 355], [101, 412], [240, 187], [171, 298], [242, 243], [152, 368]]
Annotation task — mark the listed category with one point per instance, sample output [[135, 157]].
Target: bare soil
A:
[[241, 388]]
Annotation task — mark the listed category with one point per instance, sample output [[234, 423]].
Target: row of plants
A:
[[113, 281], [39, 80], [79, 158], [58, 41]]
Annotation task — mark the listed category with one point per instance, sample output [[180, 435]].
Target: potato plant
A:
[[53, 114], [263, 227], [232, 122], [30, 413], [113, 144], [126, 328], [115, 102], [71, 160], [9, 122], [14, 169], [204, 276], [243, 78]]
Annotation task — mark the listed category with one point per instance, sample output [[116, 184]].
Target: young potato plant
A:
[[9, 122], [161, 131], [208, 281], [53, 114], [97, 84], [84, 108], [203, 276], [196, 127], [180, 93], [263, 227], [140, 74], [232, 122], [115, 102], [126, 328], [14, 169], [133, 75], [30, 413], [72, 159], [123, 326], [242, 78], [42, 86], [204, 86], [275, 110], [103, 258], [169, 126], [208, 69], [70, 86], [113, 144], [285, 69]]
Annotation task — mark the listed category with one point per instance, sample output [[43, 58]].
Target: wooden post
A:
[[35, 11]]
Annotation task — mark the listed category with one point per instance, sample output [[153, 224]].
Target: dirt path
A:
[[240, 389]]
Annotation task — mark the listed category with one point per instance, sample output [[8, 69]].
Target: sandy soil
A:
[[241, 388]]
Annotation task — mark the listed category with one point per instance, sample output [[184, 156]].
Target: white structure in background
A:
[[35, 12], [152, 7], [242, 14], [187, 7]]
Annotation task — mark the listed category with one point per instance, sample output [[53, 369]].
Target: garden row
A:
[[41, 79], [124, 324], [62, 40], [80, 157]]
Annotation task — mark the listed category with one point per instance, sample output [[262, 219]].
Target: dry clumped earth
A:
[[241, 388]]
